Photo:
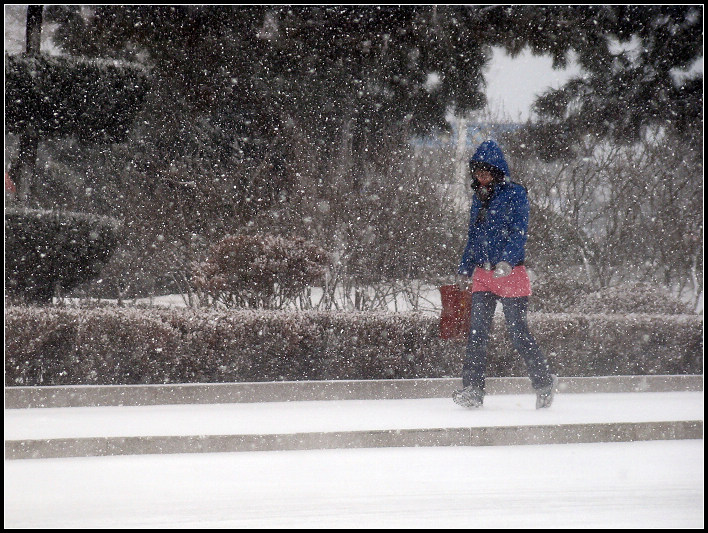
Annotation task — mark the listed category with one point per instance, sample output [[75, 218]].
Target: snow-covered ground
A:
[[656, 484], [347, 415], [428, 300]]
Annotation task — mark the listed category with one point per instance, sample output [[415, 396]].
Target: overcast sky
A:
[[513, 84]]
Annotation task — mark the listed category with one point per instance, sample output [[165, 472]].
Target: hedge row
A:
[[114, 345]]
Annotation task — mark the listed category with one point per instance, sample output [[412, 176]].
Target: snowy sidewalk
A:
[[646, 485], [506, 419]]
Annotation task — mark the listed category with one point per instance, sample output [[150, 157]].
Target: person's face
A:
[[484, 177]]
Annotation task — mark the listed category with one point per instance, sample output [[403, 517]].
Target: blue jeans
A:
[[483, 306]]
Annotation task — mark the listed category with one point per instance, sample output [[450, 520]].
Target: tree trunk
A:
[[461, 172], [34, 29], [22, 170]]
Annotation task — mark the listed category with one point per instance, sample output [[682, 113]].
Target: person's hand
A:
[[462, 281], [502, 269]]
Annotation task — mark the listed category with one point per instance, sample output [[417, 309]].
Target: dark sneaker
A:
[[544, 396], [468, 397]]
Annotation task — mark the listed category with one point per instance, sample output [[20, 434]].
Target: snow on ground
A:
[[429, 300], [656, 484], [347, 415]]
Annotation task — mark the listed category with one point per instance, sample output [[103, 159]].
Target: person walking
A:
[[493, 260]]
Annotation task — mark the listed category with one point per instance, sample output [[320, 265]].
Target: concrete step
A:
[[354, 414]]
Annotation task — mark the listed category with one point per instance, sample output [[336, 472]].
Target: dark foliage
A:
[[247, 73], [95, 100], [624, 90], [50, 250]]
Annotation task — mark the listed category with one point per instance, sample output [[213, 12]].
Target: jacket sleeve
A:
[[514, 252], [466, 267]]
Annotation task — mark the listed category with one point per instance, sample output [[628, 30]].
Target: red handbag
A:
[[456, 311]]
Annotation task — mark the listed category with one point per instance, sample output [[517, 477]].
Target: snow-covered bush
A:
[[557, 293], [118, 345], [46, 250], [632, 298], [57, 345], [260, 271]]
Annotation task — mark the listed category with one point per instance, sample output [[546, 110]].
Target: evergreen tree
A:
[[632, 56], [347, 74]]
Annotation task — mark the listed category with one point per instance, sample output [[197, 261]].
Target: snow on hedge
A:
[[118, 345]]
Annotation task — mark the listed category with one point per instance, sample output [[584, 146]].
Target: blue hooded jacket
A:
[[502, 234]]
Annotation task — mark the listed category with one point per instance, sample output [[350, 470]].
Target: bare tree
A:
[[636, 209]]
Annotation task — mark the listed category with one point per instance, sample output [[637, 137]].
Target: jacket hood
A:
[[489, 153]]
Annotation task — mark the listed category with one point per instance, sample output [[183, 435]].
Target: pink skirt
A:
[[515, 285]]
